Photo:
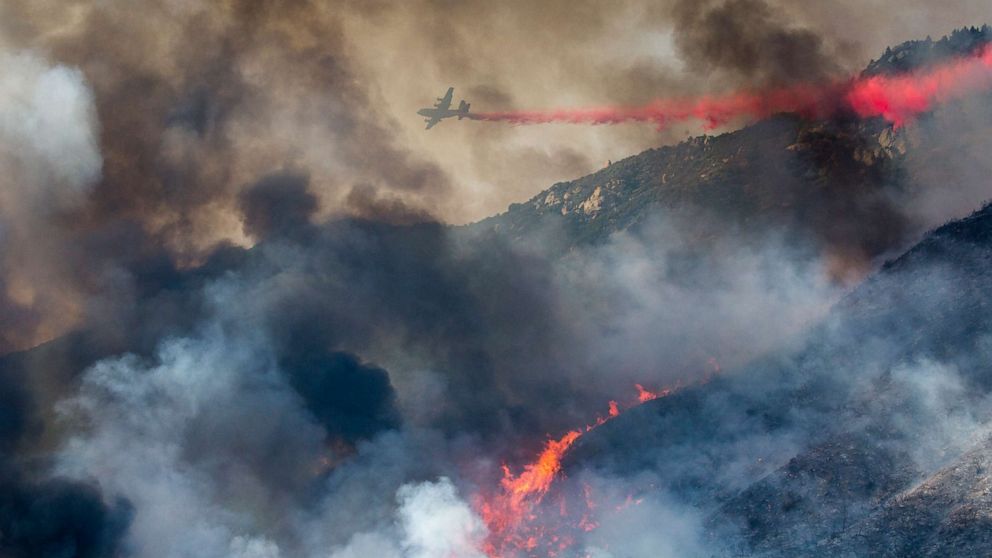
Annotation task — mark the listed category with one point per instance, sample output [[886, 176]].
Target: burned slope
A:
[[820, 445], [948, 514]]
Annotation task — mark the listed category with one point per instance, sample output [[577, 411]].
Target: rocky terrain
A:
[[870, 437], [784, 173], [882, 469], [833, 183]]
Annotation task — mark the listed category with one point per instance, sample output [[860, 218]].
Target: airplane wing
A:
[[432, 122], [444, 103]]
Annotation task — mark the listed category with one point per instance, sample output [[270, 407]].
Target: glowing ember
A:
[[643, 395], [897, 99], [511, 513]]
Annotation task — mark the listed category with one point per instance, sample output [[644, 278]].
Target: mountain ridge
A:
[[833, 184]]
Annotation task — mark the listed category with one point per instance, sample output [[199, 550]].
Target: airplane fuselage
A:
[[442, 109], [439, 113]]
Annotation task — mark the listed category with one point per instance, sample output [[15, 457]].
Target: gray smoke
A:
[[750, 40], [260, 342]]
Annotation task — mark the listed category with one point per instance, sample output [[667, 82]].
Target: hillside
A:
[[837, 185], [784, 173], [866, 440]]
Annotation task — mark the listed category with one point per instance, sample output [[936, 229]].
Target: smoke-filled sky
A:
[[332, 87], [263, 338], [532, 55]]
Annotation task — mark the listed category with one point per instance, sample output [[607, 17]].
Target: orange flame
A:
[[643, 395], [508, 512], [511, 512]]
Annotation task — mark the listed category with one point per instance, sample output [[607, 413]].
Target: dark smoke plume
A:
[[277, 205], [750, 40], [42, 516], [257, 340]]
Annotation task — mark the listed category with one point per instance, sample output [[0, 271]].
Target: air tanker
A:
[[442, 109]]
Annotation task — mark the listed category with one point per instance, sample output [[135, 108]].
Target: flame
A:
[[614, 409], [643, 395], [508, 513], [511, 513], [897, 99]]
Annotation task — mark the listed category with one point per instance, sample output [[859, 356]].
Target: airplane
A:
[[442, 109]]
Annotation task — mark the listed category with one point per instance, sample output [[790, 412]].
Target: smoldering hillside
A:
[[306, 380], [842, 445], [348, 386]]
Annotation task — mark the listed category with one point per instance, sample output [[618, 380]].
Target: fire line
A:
[[510, 513]]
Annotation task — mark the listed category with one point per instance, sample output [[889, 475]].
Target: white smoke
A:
[[437, 523], [432, 520], [144, 421], [247, 547], [649, 309], [50, 158], [368, 544], [196, 436], [48, 126]]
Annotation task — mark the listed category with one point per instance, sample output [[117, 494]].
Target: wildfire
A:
[[643, 395], [511, 513], [897, 99]]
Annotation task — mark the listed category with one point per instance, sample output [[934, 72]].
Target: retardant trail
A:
[[898, 99]]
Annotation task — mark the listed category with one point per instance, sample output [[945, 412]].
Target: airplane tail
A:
[[463, 109]]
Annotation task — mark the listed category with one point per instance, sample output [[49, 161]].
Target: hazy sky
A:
[[502, 55], [331, 88], [164, 112]]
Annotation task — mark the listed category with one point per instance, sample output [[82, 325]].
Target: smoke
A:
[[429, 509], [260, 432], [48, 149], [58, 517], [651, 308], [432, 521], [277, 205], [155, 434], [141, 152], [275, 350], [43, 514], [653, 524], [207, 100], [337, 362], [802, 445], [49, 125], [750, 40], [179, 111]]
